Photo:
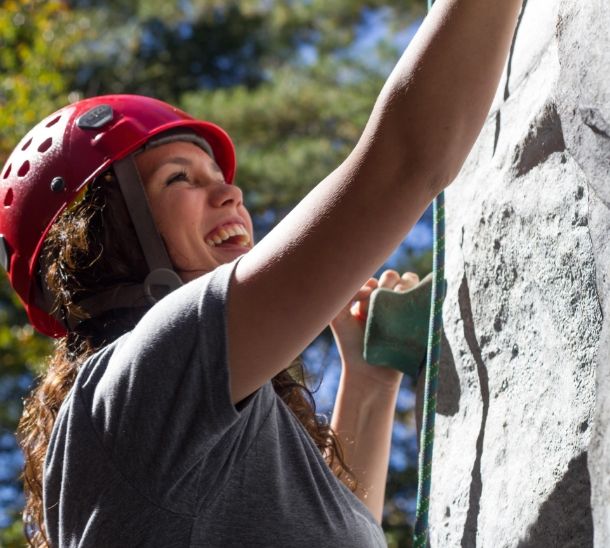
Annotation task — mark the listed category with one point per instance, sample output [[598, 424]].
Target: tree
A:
[[36, 38]]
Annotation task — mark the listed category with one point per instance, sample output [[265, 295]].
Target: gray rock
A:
[[522, 446]]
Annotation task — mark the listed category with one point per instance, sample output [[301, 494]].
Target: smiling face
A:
[[200, 217]]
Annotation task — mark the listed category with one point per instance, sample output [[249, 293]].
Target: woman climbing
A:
[[168, 416]]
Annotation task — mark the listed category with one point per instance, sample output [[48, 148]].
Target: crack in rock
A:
[[593, 118], [509, 68], [471, 526]]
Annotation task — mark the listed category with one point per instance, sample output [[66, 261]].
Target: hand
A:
[[348, 330]]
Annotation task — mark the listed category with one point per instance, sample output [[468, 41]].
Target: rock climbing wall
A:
[[522, 454]]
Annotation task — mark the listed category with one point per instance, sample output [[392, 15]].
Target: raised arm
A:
[[363, 414], [422, 127]]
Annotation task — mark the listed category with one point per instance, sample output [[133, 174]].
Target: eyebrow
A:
[[182, 161]]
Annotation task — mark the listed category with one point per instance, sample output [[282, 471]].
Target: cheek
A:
[[183, 243], [171, 210], [175, 221], [162, 217]]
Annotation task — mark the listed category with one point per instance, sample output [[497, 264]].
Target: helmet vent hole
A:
[[23, 170], [8, 198], [25, 147], [8, 171], [53, 121], [45, 145]]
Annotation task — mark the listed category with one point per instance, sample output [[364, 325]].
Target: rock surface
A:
[[522, 447]]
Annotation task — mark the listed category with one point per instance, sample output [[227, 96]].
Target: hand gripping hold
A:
[[396, 334]]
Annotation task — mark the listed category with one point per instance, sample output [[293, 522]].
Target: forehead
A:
[[182, 152]]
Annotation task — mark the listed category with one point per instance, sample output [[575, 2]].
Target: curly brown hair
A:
[[92, 247]]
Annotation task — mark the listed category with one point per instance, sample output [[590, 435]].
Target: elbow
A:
[[425, 161], [438, 162], [431, 164], [432, 172]]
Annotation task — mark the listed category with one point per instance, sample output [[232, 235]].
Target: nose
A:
[[222, 195]]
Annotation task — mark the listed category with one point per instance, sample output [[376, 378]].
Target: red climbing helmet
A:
[[59, 157]]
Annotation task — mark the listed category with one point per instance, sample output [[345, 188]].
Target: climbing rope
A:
[[426, 442]]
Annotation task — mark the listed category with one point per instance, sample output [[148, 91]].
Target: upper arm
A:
[[289, 287]]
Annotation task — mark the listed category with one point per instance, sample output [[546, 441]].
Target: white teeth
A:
[[228, 231]]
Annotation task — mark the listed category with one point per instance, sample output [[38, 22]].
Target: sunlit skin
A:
[[192, 206]]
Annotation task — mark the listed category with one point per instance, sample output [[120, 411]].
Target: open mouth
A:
[[229, 234]]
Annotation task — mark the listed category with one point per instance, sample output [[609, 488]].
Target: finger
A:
[[389, 279], [360, 303], [359, 310], [365, 291], [410, 276], [372, 282], [407, 281]]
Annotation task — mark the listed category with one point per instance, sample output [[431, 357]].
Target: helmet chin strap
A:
[[161, 279]]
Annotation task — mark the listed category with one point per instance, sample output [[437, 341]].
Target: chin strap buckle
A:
[[161, 282]]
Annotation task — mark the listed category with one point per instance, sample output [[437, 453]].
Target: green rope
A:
[[424, 483], [420, 538]]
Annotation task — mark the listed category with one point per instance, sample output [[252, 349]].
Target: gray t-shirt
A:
[[149, 451]]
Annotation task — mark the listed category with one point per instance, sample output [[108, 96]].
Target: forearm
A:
[[435, 101], [363, 418]]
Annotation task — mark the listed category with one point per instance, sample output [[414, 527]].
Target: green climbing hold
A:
[[397, 326]]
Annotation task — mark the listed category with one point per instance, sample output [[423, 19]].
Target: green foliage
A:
[[290, 132], [35, 41], [12, 536], [166, 49]]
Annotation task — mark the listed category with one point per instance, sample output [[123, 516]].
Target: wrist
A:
[[370, 379]]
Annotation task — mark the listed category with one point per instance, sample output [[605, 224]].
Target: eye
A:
[[175, 177]]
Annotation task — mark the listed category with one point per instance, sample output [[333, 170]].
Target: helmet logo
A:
[[96, 117], [58, 184]]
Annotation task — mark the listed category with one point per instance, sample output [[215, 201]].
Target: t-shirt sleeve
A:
[[162, 404]]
